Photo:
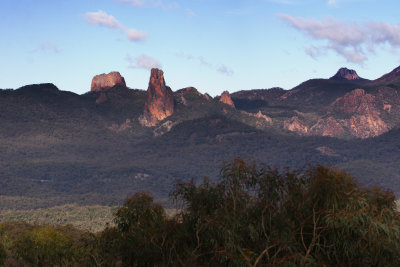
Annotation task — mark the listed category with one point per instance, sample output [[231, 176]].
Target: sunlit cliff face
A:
[[226, 99], [106, 81], [160, 100], [363, 118]]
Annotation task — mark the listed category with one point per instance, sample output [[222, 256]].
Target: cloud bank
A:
[[102, 19], [348, 39]]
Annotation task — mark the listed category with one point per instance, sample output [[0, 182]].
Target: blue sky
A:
[[213, 45]]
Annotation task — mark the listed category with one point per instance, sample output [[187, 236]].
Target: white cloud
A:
[[225, 70], [135, 36], [348, 39], [142, 62], [47, 47], [383, 32], [101, 18], [332, 2]]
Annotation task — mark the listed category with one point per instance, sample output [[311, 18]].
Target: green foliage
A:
[[44, 247], [259, 216], [140, 223], [254, 215]]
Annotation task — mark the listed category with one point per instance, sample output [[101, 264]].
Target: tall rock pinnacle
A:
[[226, 99], [106, 81], [345, 74], [160, 99]]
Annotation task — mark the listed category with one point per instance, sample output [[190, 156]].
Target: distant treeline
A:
[[254, 216], [92, 218]]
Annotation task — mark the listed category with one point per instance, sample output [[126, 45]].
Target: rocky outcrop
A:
[[366, 126], [226, 99], [356, 113], [164, 128], [258, 115], [355, 101], [106, 81], [262, 122], [346, 74], [327, 127], [160, 100], [120, 127], [294, 124], [191, 94], [365, 120]]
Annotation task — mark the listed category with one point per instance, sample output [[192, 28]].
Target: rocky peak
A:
[[160, 99], [345, 74], [106, 81], [226, 99]]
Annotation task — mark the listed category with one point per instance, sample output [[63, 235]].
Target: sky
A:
[[213, 45]]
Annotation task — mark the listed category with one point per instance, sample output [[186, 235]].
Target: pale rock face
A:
[[294, 124], [106, 81], [365, 121], [263, 120], [160, 99], [226, 99], [366, 126], [363, 118], [258, 115], [327, 127]]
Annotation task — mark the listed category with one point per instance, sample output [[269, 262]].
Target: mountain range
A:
[[99, 147]]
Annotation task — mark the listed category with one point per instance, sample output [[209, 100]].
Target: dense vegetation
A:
[[254, 215]]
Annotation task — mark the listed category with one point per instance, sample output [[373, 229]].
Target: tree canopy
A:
[[254, 215]]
